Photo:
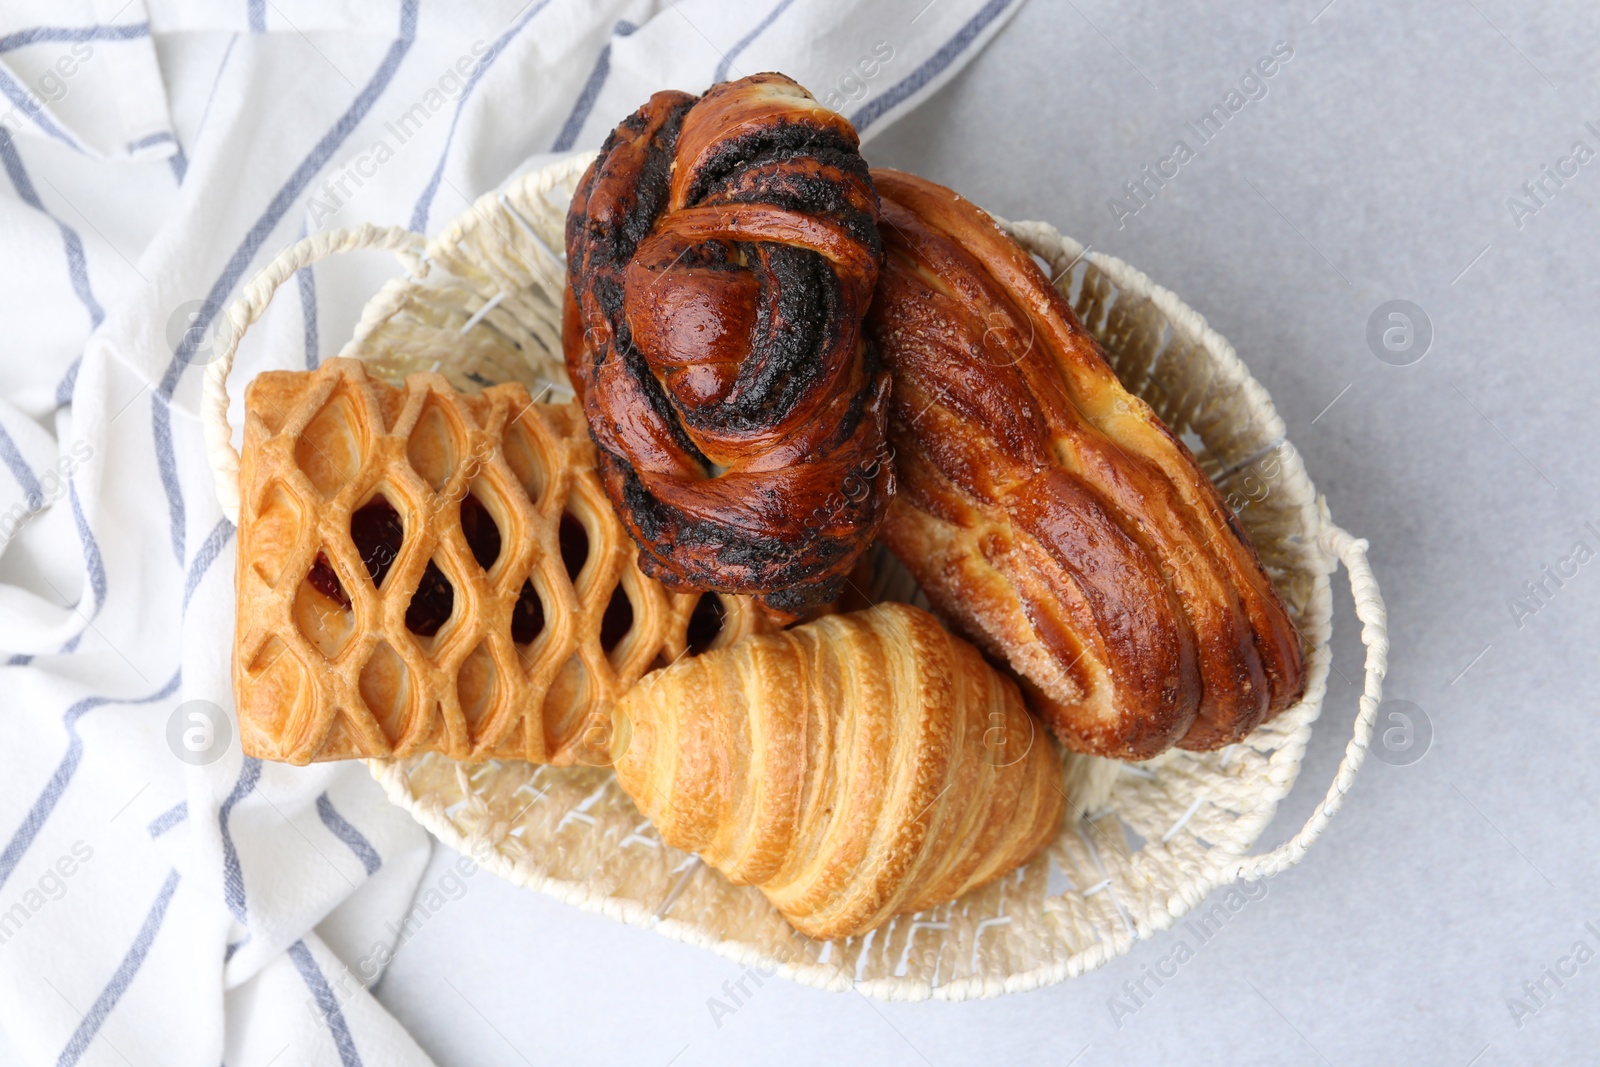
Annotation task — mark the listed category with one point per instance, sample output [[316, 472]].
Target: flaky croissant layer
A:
[[854, 768]]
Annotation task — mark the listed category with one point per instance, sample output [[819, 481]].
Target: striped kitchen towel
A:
[[164, 900]]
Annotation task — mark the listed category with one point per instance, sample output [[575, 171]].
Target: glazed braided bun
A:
[[722, 251], [1048, 513]]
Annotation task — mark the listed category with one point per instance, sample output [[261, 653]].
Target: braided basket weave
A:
[[1142, 844]]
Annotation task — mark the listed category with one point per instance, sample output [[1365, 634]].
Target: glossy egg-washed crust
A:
[[1049, 514], [853, 768], [722, 251], [342, 648]]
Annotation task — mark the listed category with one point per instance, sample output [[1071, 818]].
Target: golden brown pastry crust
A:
[[329, 665], [721, 254], [1048, 512], [853, 768]]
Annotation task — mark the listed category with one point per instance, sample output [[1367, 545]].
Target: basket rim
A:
[[1225, 864]]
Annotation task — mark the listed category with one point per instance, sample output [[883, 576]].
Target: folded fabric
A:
[[92, 84], [163, 899]]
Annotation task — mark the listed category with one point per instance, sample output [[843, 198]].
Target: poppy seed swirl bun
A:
[[721, 254]]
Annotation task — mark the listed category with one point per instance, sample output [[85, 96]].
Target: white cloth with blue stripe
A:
[[158, 906]]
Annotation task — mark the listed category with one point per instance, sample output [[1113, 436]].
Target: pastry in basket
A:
[[424, 570], [1049, 514], [853, 768], [721, 253]]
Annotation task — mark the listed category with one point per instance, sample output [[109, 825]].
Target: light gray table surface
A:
[[1377, 166]]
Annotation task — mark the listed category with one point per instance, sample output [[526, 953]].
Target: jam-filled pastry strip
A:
[[424, 570]]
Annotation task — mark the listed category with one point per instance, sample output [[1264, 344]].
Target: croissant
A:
[[422, 570], [1049, 514], [721, 254], [853, 768]]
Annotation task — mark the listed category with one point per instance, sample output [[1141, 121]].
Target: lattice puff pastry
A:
[[853, 768], [1049, 514], [420, 569]]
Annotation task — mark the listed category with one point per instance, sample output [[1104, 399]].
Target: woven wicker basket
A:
[[1142, 843]]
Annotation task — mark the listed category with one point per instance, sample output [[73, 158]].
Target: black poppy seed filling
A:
[[809, 192], [650, 191], [609, 294], [805, 320], [578, 221], [797, 328], [782, 140], [796, 599], [870, 364], [639, 370], [592, 243], [771, 558], [783, 192], [797, 319], [712, 255], [614, 246]]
